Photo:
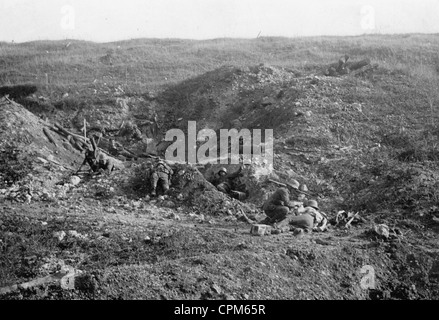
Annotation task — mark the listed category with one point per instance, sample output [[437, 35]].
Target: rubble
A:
[[60, 235], [75, 180], [76, 234], [382, 230]]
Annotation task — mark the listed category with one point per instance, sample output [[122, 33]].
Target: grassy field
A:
[[148, 64]]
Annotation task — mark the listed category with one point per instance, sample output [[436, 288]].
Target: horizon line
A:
[[375, 34]]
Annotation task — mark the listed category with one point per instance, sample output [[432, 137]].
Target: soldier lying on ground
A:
[[310, 218], [279, 204], [98, 164], [90, 159], [105, 164], [224, 182], [131, 132], [161, 173]]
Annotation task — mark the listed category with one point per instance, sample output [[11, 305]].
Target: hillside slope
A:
[[364, 143]]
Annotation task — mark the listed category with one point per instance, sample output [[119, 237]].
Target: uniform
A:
[[90, 159], [278, 205], [161, 173], [106, 164], [309, 218], [224, 182]]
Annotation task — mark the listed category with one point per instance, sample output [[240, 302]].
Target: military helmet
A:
[[303, 188], [161, 162], [222, 170], [294, 184], [101, 157], [313, 204]]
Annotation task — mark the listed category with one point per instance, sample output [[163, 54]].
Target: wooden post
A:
[[85, 130]]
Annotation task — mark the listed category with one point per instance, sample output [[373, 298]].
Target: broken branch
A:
[[49, 136]]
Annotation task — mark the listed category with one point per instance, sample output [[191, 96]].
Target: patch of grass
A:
[[152, 63]]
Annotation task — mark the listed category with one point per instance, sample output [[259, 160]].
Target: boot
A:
[[153, 193]]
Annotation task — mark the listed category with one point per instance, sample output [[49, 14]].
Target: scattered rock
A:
[[216, 289], [180, 197], [174, 216], [60, 235], [382, 230], [136, 204], [76, 234], [111, 210], [75, 180]]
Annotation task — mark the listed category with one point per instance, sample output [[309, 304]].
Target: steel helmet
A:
[[303, 187], [222, 170], [294, 184], [313, 204], [101, 157]]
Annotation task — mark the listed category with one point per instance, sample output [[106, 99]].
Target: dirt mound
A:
[[39, 157], [26, 130], [188, 187], [411, 188], [219, 97]]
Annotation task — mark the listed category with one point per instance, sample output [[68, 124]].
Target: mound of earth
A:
[[47, 158], [26, 131], [217, 99]]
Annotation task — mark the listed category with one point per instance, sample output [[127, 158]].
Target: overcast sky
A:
[[110, 20]]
